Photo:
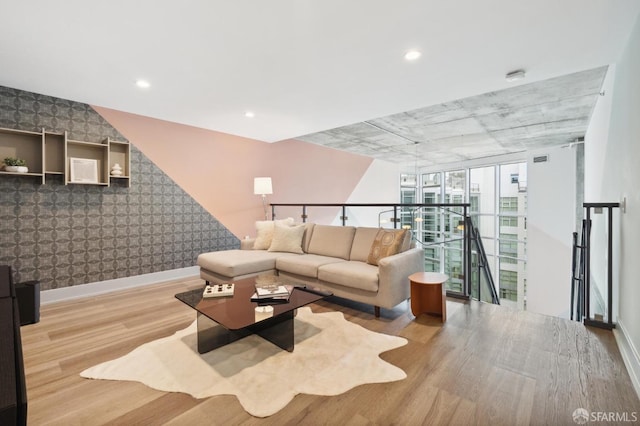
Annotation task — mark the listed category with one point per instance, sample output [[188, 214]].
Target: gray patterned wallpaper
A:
[[78, 234]]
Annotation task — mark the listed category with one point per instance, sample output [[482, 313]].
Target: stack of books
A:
[[270, 293]]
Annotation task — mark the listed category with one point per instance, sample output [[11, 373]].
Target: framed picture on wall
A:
[[83, 170]]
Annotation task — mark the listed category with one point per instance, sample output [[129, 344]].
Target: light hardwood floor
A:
[[487, 365]]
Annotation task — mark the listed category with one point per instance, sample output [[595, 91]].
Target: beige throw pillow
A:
[[387, 243], [287, 238], [264, 232]]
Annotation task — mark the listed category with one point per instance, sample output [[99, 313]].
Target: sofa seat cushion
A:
[[306, 265], [234, 263], [352, 274]]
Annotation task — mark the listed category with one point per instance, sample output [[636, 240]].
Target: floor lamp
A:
[[262, 186]]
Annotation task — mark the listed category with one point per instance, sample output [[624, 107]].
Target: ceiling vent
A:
[[515, 76], [541, 158]]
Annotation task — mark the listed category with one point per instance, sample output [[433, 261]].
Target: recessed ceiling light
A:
[[412, 55], [515, 76], [143, 84], [249, 114]]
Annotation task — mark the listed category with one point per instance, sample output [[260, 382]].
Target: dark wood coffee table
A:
[[227, 319]]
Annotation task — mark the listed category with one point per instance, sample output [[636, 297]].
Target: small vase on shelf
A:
[[16, 169], [116, 170]]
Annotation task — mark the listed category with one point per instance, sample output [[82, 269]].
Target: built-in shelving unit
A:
[[53, 153], [89, 151], [120, 153], [25, 145], [48, 154]]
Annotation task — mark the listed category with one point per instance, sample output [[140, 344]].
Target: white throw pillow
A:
[[287, 238], [264, 232]]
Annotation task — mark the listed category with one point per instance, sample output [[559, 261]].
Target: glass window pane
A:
[[455, 182], [407, 196], [431, 180], [407, 180], [482, 190]]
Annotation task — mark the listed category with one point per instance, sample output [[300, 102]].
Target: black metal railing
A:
[[581, 289], [482, 270], [407, 215]]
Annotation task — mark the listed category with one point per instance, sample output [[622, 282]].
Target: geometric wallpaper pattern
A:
[[66, 235]]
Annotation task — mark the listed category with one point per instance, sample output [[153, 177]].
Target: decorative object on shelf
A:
[[83, 170], [262, 186], [16, 165], [116, 170]]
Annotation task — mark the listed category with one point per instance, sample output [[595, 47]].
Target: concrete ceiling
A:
[[308, 66], [547, 113]]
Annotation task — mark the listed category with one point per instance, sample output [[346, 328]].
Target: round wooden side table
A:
[[429, 294]]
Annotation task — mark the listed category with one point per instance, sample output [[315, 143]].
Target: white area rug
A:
[[331, 356]]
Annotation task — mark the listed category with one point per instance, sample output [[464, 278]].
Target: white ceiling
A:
[[302, 66]]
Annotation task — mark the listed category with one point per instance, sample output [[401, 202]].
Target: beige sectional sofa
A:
[[350, 262]]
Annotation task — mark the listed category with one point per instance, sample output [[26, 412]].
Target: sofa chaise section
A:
[[228, 265]]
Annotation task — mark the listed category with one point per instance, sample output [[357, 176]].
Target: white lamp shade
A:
[[262, 186]]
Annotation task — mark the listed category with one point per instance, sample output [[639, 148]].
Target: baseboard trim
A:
[[102, 287], [629, 355]]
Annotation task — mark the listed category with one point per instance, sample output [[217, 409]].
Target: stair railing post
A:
[[573, 271], [587, 267], [395, 216], [467, 252], [610, 268]]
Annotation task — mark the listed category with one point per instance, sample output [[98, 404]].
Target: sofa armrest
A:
[[394, 274], [247, 243]]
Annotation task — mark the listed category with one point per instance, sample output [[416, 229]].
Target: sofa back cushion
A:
[[334, 241], [306, 238], [362, 242]]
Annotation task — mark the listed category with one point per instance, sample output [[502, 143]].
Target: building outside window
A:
[[508, 221], [508, 285], [512, 233], [508, 247], [508, 204]]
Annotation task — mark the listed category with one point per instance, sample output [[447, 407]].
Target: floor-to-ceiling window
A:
[[431, 194], [497, 196], [455, 185]]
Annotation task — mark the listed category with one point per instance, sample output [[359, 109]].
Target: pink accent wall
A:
[[305, 172], [217, 169]]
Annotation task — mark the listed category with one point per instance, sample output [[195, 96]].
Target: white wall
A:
[[597, 144], [550, 224], [612, 170], [379, 184]]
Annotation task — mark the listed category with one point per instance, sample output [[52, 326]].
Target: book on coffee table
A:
[[271, 291]]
